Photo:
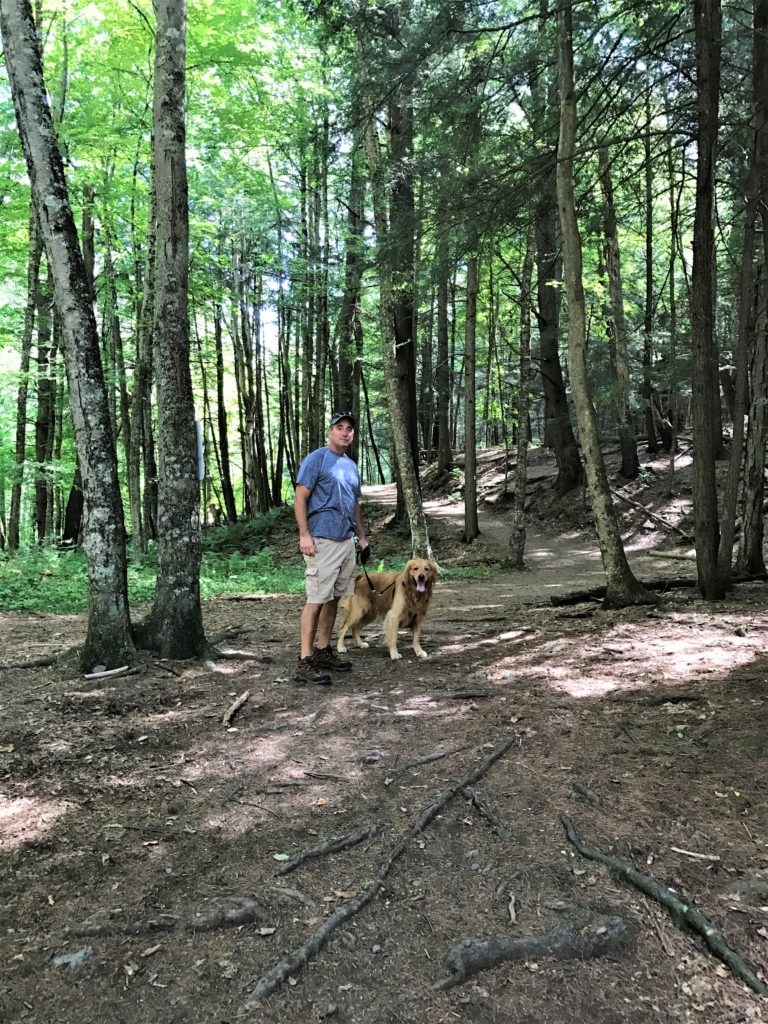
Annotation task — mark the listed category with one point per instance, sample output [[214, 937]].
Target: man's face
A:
[[343, 433]]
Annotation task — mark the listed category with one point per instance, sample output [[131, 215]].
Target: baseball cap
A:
[[337, 417]]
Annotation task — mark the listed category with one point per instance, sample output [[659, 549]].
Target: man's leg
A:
[[310, 615], [325, 623]]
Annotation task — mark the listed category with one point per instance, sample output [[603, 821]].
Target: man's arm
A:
[[306, 544]]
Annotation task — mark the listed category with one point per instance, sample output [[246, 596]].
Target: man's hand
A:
[[306, 544], [365, 554]]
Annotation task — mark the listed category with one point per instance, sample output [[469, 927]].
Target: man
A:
[[327, 508]]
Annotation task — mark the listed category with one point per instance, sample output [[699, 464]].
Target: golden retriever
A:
[[402, 598]]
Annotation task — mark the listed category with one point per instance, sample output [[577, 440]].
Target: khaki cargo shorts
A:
[[330, 571]]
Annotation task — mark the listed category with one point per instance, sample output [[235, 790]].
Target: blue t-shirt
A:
[[334, 484]]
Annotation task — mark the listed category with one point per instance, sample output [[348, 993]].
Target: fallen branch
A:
[[482, 806], [331, 846], [34, 663], [224, 912], [108, 672], [573, 940], [652, 515], [230, 713], [300, 956], [587, 794], [682, 913]]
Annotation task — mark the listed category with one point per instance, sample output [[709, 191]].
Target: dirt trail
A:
[[556, 564]]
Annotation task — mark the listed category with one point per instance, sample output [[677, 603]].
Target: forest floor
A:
[[141, 838]]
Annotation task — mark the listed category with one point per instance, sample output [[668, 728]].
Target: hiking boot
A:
[[326, 659], [307, 672]]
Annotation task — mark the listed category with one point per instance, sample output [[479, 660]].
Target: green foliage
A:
[[49, 580], [248, 536]]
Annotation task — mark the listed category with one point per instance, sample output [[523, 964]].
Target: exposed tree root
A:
[[331, 846], [223, 912], [574, 940], [33, 663], [598, 593], [681, 912], [482, 806], [300, 956]]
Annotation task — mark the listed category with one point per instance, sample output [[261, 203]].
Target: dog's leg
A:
[[418, 649], [391, 623], [356, 635], [341, 647]]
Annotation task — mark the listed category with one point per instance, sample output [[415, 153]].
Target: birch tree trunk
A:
[[621, 586], [175, 624], [420, 545], [109, 639]]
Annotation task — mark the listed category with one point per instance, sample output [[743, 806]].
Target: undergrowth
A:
[[236, 560]]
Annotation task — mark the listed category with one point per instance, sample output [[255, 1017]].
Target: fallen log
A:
[[681, 912], [583, 939], [300, 957]]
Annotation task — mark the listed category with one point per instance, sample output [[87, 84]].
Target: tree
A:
[[705, 379], [109, 638], [175, 624], [621, 586], [420, 545]]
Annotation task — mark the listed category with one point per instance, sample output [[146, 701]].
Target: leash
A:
[[378, 593], [364, 554]]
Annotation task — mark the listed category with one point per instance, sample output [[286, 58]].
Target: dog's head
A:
[[421, 574]]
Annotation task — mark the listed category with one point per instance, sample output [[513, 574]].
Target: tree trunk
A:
[[471, 525], [221, 419], [750, 558], [175, 624], [630, 464], [44, 405], [516, 558], [558, 432], [402, 232], [647, 389], [757, 191], [621, 586], [34, 253], [705, 388], [442, 372], [142, 524], [420, 545], [109, 639]]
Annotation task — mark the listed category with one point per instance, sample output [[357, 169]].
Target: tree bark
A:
[[471, 525], [705, 388], [34, 253], [558, 431], [517, 525], [420, 545], [630, 464], [621, 586], [757, 190], [175, 624], [109, 639]]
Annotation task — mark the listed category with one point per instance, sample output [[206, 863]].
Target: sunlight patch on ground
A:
[[28, 821], [672, 650]]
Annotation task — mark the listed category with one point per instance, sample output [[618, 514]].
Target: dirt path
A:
[[128, 805], [556, 564]]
